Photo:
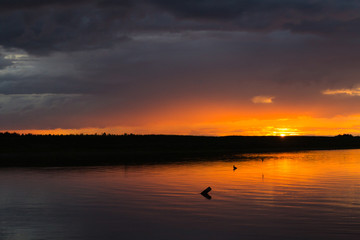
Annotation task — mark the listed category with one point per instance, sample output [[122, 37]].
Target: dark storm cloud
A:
[[41, 27], [20, 4], [228, 9], [331, 17], [28, 4]]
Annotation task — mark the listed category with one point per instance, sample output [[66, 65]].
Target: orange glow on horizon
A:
[[299, 126], [213, 120]]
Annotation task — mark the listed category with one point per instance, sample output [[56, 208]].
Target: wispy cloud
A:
[[344, 91], [262, 99]]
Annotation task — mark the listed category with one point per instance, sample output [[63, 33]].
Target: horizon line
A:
[[5, 132]]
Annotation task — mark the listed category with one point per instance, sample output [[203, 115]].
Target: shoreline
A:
[[91, 150]]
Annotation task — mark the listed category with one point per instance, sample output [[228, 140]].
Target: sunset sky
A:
[[205, 67]]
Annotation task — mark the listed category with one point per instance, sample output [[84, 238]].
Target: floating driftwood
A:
[[205, 193]]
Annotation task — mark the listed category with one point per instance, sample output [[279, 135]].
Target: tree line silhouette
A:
[[108, 149]]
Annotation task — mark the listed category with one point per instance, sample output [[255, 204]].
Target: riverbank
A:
[[94, 150]]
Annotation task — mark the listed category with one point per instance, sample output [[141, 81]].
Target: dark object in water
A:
[[234, 167], [205, 193]]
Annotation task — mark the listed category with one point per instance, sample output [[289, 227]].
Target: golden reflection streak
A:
[[331, 175]]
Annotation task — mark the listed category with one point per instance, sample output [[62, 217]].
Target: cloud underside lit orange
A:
[[350, 92]]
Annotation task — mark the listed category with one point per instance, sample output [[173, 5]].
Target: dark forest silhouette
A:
[[107, 149]]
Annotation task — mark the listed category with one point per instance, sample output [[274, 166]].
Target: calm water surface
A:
[[307, 195]]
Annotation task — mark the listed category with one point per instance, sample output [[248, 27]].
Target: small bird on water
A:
[[234, 167]]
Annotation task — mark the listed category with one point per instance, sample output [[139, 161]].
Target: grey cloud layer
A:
[[155, 72], [105, 63], [40, 27]]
